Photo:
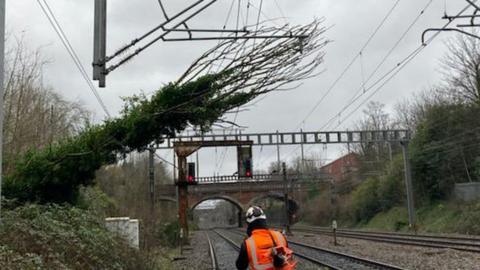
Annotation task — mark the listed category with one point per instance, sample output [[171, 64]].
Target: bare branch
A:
[[263, 66]]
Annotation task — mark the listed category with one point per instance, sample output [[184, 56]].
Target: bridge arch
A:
[[238, 205], [294, 206], [219, 197], [273, 195]]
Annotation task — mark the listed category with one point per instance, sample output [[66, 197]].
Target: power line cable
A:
[[219, 166], [349, 65], [392, 49], [281, 12], [238, 14], [267, 18], [397, 70], [400, 66], [394, 70], [63, 38], [164, 160]]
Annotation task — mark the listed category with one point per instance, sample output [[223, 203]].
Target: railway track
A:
[[432, 241], [211, 252], [223, 251], [332, 259]]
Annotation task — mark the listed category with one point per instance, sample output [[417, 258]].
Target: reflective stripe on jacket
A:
[[259, 248]]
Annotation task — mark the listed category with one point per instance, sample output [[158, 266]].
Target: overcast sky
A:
[[352, 22]]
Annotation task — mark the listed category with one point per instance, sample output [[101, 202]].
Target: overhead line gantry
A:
[[187, 145]]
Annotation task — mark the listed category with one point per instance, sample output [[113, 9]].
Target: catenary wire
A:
[[63, 38], [350, 64], [392, 49], [399, 65]]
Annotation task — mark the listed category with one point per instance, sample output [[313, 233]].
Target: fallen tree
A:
[[244, 69]]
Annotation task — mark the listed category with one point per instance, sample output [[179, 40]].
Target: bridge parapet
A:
[[262, 178], [240, 186]]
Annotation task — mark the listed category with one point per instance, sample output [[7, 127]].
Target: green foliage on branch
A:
[[54, 173], [444, 150], [377, 194], [57, 237]]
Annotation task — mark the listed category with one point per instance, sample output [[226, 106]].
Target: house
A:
[[344, 169]]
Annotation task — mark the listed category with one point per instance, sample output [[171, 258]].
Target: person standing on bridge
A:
[[264, 249]]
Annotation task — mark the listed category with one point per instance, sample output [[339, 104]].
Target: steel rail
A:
[[228, 240], [211, 251], [403, 235], [305, 257], [402, 239], [352, 258]]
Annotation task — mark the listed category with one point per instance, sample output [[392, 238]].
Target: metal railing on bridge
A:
[[235, 178], [260, 177], [259, 182]]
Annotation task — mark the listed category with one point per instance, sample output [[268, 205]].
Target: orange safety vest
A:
[[259, 248]]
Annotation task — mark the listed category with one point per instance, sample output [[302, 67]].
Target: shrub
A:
[[62, 237], [467, 221], [319, 211], [443, 150], [169, 233], [365, 200]]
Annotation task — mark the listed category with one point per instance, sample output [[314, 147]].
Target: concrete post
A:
[[303, 153], [408, 185], [182, 194], [2, 68], [151, 176], [197, 163], [278, 154], [285, 194]]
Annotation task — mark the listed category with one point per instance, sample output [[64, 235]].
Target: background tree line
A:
[[35, 115], [444, 150]]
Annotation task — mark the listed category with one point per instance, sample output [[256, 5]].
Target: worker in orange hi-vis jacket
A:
[[264, 249]]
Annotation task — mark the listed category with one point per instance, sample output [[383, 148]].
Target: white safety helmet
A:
[[254, 213]]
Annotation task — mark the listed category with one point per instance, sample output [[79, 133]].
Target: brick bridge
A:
[[243, 193]]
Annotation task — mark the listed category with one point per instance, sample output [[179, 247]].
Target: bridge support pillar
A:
[[182, 186]]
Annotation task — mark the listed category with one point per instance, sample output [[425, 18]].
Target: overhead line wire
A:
[[411, 57], [345, 70], [164, 160], [63, 38], [281, 11], [399, 66], [349, 65], [384, 59], [220, 166]]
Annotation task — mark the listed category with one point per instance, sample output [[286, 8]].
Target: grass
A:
[[438, 217], [392, 220]]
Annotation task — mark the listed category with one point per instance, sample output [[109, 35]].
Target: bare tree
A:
[[409, 113], [127, 184], [375, 118], [35, 115], [461, 68], [257, 67]]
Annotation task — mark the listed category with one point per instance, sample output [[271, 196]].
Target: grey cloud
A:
[[352, 21]]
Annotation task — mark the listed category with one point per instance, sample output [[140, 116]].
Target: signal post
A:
[[183, 149]]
